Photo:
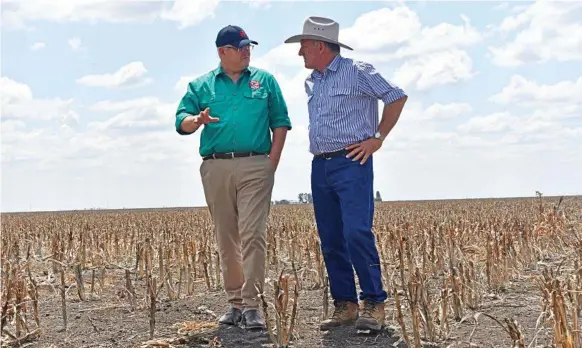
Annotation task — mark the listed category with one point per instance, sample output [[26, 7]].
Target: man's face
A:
[[236, 58], [310, 51]]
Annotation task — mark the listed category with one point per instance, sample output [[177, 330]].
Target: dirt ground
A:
[[106, 320]]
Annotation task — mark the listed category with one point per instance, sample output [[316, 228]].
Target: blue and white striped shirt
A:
[[343, 103]]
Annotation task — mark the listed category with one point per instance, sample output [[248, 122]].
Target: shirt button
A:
[[235, 109]]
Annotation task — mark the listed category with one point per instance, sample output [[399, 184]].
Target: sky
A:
[[90, 89]]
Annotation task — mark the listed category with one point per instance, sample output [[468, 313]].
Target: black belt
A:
[[332, 154], [229, 155]]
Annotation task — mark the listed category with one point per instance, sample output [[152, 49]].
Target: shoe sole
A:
[[231, 323], [366, 327], [254, 328], [333, 326]]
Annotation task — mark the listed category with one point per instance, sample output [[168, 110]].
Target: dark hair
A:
[[335, 48]]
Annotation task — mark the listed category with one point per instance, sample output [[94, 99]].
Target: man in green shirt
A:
[[238, 106]]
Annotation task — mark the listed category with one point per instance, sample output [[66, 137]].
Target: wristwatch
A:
[[377, 135]]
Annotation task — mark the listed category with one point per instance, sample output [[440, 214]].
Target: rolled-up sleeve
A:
[[278, 112], [372, 83], [188, 106]]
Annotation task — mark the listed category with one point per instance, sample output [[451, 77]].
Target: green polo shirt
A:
[[247, 110]]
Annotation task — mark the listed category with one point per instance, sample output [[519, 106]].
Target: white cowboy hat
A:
[[319, 28]]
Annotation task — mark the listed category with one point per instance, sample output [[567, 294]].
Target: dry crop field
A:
[[460, 273]]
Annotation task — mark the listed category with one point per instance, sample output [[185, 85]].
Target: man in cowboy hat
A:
[[239, 107], [344, 132]]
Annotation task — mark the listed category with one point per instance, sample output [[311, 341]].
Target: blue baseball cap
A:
[[233, 35]]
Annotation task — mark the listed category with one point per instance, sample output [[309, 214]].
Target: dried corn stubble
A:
[[440, 257], [284, 317], [194, 327]]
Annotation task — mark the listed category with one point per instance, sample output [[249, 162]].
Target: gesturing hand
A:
[[364, 149], [205, 118]]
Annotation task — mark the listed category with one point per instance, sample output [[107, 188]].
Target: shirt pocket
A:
[[217, 103], [342, 98], [256, 102], [342, 91], [209, 100]]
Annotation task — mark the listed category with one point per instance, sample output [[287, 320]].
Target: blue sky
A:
[[495, 104]]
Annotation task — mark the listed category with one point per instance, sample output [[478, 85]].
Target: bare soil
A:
[[107, 320]]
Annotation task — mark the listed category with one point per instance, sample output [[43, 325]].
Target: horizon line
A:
[[291, 202]]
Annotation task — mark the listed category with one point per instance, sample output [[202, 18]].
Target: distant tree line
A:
[[306, 198]]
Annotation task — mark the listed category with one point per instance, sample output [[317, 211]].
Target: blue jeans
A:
[[343, 201]]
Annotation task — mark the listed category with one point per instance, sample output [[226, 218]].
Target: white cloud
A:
[[433, 54], [439, 111], [422, 128], [19, 14], [143, 113], [260, 4], [13, 91], [550, 30], [380, 28], [37, 46], [145, 126], [74, 43], [189, 13], [282, 59], [17, 103], [528, 132], [32, 128], [129, 75], [539, 117], [387, 34], [440, 37], [400, 30], [496, 122], [477, 148], [524, 92], [126, 152], [182, 83], [435, 69]]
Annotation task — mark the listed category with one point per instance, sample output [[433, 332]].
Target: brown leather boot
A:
[[371, 316], [345, 313]]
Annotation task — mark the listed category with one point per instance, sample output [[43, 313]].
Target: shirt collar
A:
[[332, 66], [219, 71]]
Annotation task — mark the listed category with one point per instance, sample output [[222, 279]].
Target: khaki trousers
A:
[[238, 194]]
